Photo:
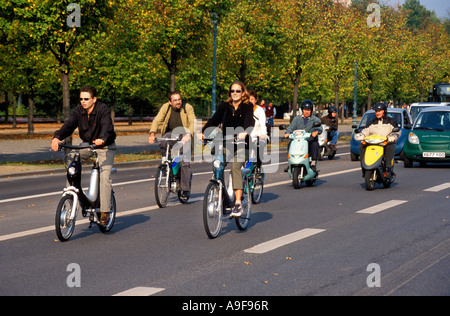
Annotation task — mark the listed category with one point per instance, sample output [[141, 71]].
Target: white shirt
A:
[[260, 123]]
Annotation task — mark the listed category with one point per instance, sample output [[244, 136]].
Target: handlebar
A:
[[79, 147], [233, 138], [167, 139]]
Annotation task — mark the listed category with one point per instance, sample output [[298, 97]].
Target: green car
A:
[[429, 139]]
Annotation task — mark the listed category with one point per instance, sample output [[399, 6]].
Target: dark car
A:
[[404, 123]]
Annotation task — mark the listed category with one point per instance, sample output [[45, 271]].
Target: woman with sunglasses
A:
[[236, 116]]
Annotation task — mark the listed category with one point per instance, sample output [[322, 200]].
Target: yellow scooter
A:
[[373, 164]]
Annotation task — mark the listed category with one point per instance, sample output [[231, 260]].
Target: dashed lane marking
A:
[[381, 207], [140, 291], [283, 240]]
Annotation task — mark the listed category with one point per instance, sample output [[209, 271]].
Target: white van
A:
[[417, 107]]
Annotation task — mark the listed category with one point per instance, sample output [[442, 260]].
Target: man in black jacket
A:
[[93, 120], [331, 121]]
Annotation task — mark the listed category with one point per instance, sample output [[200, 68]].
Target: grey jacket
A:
[[382, 127], [298, 123]]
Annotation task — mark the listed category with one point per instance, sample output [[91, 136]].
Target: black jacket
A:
[[229, 117], [98, 125]]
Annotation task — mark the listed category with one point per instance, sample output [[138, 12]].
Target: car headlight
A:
[[413, 139]]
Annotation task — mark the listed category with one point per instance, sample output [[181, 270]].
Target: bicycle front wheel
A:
[[162, 186], [63, 224], [243, 220], [212, 212]]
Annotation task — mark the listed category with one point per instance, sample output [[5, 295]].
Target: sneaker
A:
[[286, 169], [237, 210]]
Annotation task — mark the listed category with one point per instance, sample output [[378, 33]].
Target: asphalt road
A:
[[334, 238]]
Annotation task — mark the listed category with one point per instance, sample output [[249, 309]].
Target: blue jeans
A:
[[334, 137]]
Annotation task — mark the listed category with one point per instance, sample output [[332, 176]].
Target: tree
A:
[[342, 28], [173, 30], [418, 17], [298, 32], [48, 24]]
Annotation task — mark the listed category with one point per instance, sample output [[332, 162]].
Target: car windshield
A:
[[415, 111], [370, 116], [435, 120]]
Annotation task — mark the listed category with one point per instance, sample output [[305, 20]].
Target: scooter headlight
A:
[[374, 141], [413, 139], [71, 171], [216, 163]]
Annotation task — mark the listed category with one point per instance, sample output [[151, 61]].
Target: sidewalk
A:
[[25, 150], [39, 149]]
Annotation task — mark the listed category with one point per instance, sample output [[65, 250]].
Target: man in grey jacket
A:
[[306, 122]]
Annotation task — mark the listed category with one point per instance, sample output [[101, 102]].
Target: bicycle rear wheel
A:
[[112, 216], [63, 224], [258, 185], [212, 213], [243, 220], [162, 186]]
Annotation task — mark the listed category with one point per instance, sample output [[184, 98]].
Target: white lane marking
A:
[[283, 240], [140, 291], [381, 207], [20, 198], [438, 187], [320, 176], [85, 221]]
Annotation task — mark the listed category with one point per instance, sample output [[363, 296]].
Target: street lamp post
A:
[[355, 95], [214, 21]]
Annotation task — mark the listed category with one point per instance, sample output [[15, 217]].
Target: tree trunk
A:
[[336, 100], [130, 114], [295, 100], [66, 95], [6, 107], [173, 68], [66, 92], [30, 115], [369, 100]]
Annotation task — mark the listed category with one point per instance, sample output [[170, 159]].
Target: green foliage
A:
[[136, 51]]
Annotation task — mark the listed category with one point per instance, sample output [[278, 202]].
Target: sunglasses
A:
[[85, 99], [235, 91]]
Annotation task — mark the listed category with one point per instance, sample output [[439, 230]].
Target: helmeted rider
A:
[[306, 122], [331, 120], [381, 125]]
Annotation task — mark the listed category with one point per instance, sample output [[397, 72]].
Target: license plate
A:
[[433, 155]]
